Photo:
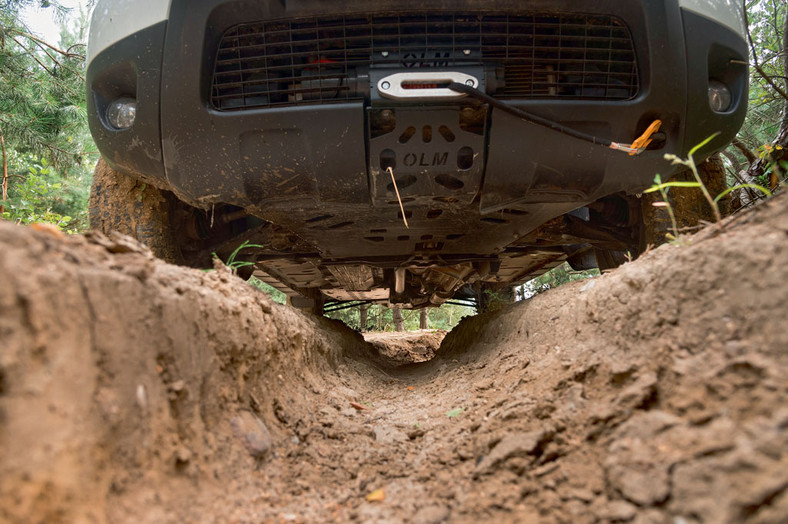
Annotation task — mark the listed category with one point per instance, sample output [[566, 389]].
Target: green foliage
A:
[[235, 264], [48, 149], [42, 94], [496, 299], [766, 23], [767, 117], [232, 261], [36, 193], [552, 279], [455, 412], [689, 162], [276, 295], [448, 316], [381, 318]]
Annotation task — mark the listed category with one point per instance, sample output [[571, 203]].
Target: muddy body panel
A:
[[337, 125]]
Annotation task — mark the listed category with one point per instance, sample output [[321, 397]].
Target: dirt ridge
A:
[[131, 390], [119, 370]]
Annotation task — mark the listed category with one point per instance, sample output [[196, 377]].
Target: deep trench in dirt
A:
[[136, 391]]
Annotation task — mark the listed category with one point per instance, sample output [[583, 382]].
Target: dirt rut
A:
[[135, 391]]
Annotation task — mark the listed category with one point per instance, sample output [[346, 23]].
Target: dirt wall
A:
[[136, 391], [117, 369]]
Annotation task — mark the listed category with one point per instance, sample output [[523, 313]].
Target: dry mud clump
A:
[[406, 347], [135, 391]]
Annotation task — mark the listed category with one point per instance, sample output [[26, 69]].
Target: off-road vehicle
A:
[[400, 151]]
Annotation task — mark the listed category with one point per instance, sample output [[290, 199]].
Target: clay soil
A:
[[406, 347], [135, 391]]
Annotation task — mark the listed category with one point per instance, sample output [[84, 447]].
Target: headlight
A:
[[719, 96], [121, 113]]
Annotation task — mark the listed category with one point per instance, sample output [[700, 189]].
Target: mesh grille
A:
[[325, 59]]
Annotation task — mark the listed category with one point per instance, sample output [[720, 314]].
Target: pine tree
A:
[[43, 124]]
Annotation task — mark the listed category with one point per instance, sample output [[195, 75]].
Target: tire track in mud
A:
[[137, 391]]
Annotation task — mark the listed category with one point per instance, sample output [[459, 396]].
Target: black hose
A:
[[529, 117]]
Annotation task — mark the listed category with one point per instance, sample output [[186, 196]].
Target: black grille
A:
[[327, 59]]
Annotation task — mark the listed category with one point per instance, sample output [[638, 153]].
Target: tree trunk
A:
[[784, 60], [398, 319], [364, 316], [5, 175], [735, 164], [423, 319]]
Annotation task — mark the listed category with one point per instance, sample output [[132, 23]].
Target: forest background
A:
[[48, 155]]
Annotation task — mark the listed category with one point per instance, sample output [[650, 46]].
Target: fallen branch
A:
[[749, 155]]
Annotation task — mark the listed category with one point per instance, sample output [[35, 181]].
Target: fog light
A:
[[719, 96], [121, 113]]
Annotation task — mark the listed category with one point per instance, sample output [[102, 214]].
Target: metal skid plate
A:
[[379, 294], [431, 152]]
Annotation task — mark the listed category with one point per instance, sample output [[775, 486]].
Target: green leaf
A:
[[697, 147], [231, 262], [658, 187], [740, 186], [454, 412]]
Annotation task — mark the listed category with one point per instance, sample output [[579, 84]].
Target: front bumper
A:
[[294, 164]]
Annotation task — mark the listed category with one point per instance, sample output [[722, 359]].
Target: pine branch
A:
[[757, 65], [34, 57], [42, 43]]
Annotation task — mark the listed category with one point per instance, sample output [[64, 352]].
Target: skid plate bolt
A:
[[385, 85], [387, 115], [469, 82], [384, 54], [466, 52]]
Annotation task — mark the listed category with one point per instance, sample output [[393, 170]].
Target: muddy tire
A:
[[128, 206], [311, 300], [688, 204], [318, 308]]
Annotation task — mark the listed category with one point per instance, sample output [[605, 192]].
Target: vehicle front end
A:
[[328, 134]]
